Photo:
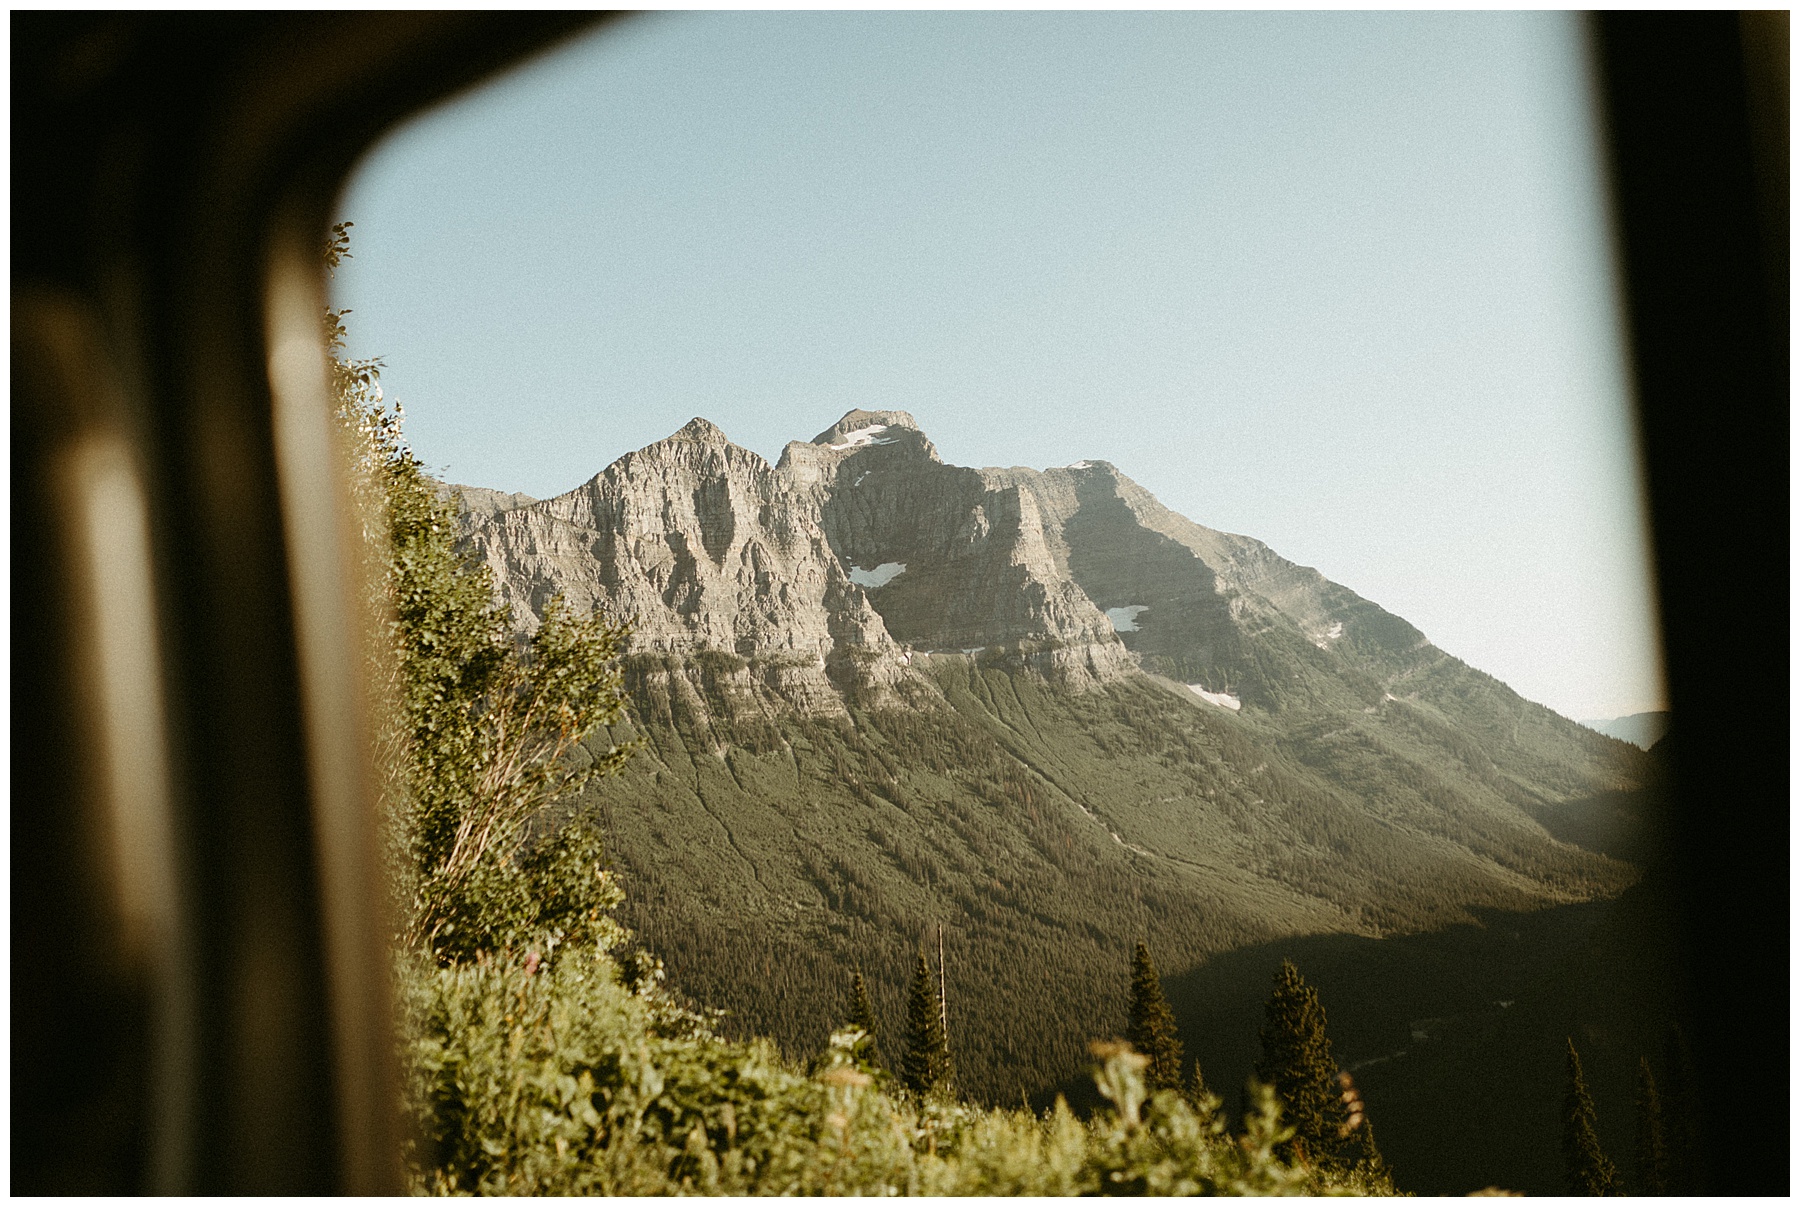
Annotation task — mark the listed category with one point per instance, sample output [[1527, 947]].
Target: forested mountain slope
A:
[[880, 693]]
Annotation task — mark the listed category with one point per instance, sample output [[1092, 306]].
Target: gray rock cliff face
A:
[[975, 563], [861, 552], [704, 547]]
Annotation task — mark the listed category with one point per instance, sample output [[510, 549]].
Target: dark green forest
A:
[[767, 855]]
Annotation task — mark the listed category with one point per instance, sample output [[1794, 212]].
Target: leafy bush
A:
[[564, 1076], [480, 734]]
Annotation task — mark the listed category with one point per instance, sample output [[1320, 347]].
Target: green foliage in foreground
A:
[[567, 1077], [496, 735], [479, 733]]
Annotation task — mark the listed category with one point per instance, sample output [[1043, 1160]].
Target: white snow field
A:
[[1222, 699], [863, 435], [880, 576]]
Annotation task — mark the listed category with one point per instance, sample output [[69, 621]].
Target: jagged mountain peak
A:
[[697, 432], [699, 445], [860, 440], [699, 428]]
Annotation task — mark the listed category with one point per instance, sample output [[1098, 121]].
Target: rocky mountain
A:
[[881, 693], [861, 551]]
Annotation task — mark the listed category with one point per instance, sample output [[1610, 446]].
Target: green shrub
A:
[[566, 1076]]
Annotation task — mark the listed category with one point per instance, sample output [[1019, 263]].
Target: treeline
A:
[[1327, 1127], [1330, 1128]]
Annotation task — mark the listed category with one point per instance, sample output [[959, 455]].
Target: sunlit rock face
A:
[[985, 571], [705, 548], [861, 552]]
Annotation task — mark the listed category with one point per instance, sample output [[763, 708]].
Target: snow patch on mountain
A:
[[1222, 699], [880, 576], [1124, 620], [864, 435]]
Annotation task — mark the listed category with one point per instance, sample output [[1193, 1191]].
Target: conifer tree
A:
[[862, 1010], [862, 1017], [1590, 1171], [1366, 1158], [1652, 1149], [1296, 1062], [1358, 1151], [1199, 1094], [1151, 1025], [925, 1068]]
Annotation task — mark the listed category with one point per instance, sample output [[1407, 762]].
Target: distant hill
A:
[[1641, 729], [880, 693]]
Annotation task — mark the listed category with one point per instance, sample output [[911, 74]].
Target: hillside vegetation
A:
[[768, 852]]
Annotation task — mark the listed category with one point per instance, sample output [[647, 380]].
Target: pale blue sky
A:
[[1338, 281]]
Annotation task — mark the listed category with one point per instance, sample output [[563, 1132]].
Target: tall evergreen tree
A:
[[862, 1010], [1652, 1148], [1590, 1171], [862, 1017], [1151, 1025], [925, 1067], [1296, 1062], [1362, 1155], [1359, 1152]]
